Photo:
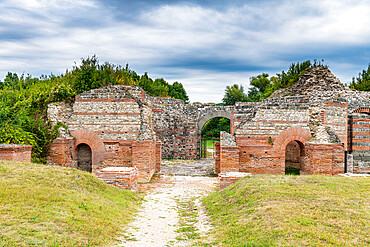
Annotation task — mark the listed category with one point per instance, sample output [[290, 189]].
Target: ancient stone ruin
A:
[[312, 126], [308, 127]]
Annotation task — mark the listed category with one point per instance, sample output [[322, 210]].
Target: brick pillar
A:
[[20, 153], [325, 159], [122, 177], [158, 156], [217, 157], [61, 153], [143, 159], [229, 159]]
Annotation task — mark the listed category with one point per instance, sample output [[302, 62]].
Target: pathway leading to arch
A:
[[170, 208]]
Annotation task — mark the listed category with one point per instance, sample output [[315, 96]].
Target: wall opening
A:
[[211, 133], [294, 155], [84, 157]]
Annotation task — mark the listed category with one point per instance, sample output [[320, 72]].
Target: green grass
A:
[[188, 213], [56, 206], [292, 171], [292, 211], [211, 143]]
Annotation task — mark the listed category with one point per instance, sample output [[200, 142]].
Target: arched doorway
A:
[[210, 133], [294, 155], [84, 157]]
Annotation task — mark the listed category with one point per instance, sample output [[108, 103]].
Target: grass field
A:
[[55, 206], [211, 143], [292, 211]]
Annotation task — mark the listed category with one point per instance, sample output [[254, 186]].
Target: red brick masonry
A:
[[122, 177], [16, 153], [227, 178]]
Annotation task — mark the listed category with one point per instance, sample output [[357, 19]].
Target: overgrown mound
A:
[[313, 80], [56, 206], [292, 211], [318, 83]]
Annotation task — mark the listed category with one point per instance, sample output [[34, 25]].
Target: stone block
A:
[[122, 177]]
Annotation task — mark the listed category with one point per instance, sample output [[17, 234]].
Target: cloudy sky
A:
[[206, 45]]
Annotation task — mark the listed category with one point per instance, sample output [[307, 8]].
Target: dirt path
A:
[[171, 214]]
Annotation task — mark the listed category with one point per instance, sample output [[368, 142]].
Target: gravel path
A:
[[159, 218], [203, 167]]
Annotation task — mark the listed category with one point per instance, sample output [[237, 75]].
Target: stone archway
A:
[[91, 139], [362, 110], [84, 157], [212, 114]]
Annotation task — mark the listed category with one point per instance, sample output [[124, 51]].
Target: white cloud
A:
[[269, 34]]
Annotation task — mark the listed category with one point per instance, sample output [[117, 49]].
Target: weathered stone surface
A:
[[320, 84]]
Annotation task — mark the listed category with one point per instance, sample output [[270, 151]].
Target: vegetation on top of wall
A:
[[362, 82], [263, 85], [24, 100]]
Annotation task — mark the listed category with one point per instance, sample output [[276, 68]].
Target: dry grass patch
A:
[[292, 211], [56, 206]]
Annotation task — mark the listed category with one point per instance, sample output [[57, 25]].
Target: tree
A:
[[177, 91], [234, 94], [212, 129], [362, 82], [261, 85], [11, 80]]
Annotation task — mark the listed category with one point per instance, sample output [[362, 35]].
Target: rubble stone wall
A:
[[175, 124]]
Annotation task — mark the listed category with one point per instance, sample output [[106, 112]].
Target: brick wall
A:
[[359, 141], [143, 157], [327, 159], [229, 159], [109, 112], [115, 122], [122, 177], [62, 153], [12, 152], [158, 156], [217, 157]]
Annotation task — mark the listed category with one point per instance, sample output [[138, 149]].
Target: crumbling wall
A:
[[256, 135], [15, 152], [115, 122], [260, 136]]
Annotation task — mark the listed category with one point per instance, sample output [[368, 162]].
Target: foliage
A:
[[263, 85], [362, 82], [285, 210], [24, 100], [212, 129], [57, 206], [233, 94]]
